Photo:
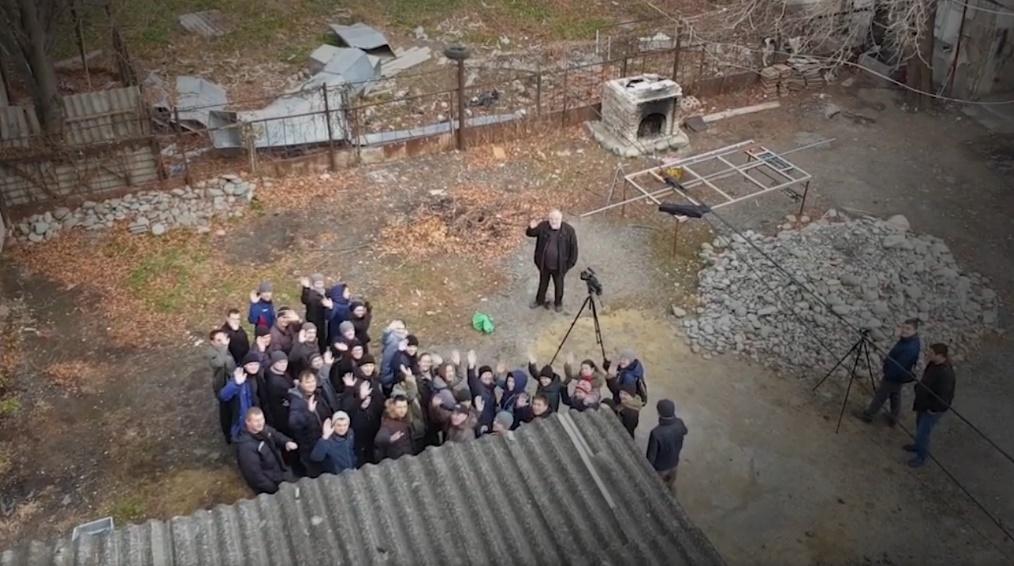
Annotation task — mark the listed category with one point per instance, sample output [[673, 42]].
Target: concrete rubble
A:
[[154, 212], [871, 272]]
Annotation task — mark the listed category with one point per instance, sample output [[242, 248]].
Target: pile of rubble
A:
[[152, 212], [869, 272]]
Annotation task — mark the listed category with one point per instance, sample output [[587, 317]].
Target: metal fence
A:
[[332, 128]]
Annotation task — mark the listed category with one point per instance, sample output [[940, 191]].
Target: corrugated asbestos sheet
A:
[[105, 115], [209, 23], [572, 489], [364, 37], [91, 118]]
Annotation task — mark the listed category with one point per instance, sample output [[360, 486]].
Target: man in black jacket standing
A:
[[933, 397], [555, 255], [259, 453], [666, 442]]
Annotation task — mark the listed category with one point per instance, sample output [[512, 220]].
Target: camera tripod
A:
[[859, 350], [589, 300]]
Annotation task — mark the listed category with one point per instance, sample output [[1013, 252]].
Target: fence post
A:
[[330, 132], [538, 93], [623, 67], [179, 146], [354, 134], [676, 57], [563, 114], [251, 147]]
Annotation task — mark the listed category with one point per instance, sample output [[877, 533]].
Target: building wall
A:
[[973, 52]]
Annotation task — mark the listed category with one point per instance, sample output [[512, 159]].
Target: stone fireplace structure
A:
[[644, 108]]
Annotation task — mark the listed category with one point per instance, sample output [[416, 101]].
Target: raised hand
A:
[[397, 436], [501, 368], [341, 346], [570, 359], [304, 281], [328, 357], [471, 358], [327, 303], [326, 429], [522, 401], [348, 379], [479, 404], [403, 345], [533, 223], [240, 376], [455, 357], [254, 296], [531, 358], [311, 404]]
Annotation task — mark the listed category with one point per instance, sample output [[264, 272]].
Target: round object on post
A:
[[457, 52]]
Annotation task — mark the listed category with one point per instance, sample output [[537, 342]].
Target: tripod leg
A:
[[848, 389], [869, 366], [598, 328], [836, 366], [567, 335]]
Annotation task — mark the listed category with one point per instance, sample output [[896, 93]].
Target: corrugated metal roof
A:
[[571, 489], [347, 64], [362, 36], [209, 23], [104, 115], [195, 97]]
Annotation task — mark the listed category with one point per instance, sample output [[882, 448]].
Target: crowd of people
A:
[[318, 394]]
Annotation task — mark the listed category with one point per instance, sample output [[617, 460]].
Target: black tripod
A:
[[589, 300], [861, 349]]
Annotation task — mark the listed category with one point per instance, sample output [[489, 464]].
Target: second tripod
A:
[[859, 350], [588, 301]]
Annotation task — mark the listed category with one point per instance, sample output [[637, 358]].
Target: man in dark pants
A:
[[666, 442], [555, 255], [933, 397], [898, 367]]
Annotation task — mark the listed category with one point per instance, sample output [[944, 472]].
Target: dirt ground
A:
[[127, 427]]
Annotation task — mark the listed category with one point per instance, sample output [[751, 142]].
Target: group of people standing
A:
[[318, 394]]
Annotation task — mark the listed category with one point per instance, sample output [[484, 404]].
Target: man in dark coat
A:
[[306, 347], [274, 392], [259, 453], [555, 255], [394, 439], [898, 366], [307, 412], [241, 393], [335, 451], [933, 397], [665, 443], [285, 330], [314, 296], [365, 406], [239, 343]]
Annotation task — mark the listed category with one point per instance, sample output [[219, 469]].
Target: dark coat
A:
[[665, 443], [274, 399], [299, 357], [306, 427], [901, 359], [260, 459], [935, 392], [551, 391], [566, 242], [339, 311], [632, 375], [282, 339], [488, 394], [316, 313], [366, 422], [388, 449], [362, 325], [336, 454], [239, 343]]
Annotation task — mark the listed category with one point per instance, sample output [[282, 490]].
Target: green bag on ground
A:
[[483, 323]]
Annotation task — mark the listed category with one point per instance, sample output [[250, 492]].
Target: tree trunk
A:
[[123, 66], [48, 104], [920, 71]]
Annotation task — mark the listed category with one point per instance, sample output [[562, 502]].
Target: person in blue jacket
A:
[[262, 310], [336, 451], [898, 370], [240, 392]]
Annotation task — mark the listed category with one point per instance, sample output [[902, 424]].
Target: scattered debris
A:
[[714, 117], [405, 60], [195, 98], [656, 42], [362, 36], [485, 99], [209, 23], [831, 110], [871, 272]]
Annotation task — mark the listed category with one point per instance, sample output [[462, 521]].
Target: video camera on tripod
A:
[[595, 288], [589, 278]]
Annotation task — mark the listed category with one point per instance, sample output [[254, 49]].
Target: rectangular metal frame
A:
[[759, 160]]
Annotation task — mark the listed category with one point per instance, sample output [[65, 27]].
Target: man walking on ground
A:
[[898, 367], [933, 397], [555, 255], [665, 443]]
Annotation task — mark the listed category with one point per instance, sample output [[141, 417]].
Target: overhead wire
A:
[[729, 225], [984, 9]]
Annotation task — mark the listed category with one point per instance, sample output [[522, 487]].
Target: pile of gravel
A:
[[153, 212], [871, 272]]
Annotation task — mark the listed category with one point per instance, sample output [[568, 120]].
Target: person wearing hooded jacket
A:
[[361, 316], [308, 409], [394, 341], [549, 382], [274, 392], [339, 295], [240, 393], [666, 442], [629, 372], [513, 387], [259, 454]]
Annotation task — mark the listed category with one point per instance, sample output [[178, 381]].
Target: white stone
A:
[[158, 229], [899, 222]]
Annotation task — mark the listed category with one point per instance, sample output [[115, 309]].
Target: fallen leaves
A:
[[76, 376]]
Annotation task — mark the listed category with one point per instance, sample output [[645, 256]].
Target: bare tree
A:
[[26, 39]]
